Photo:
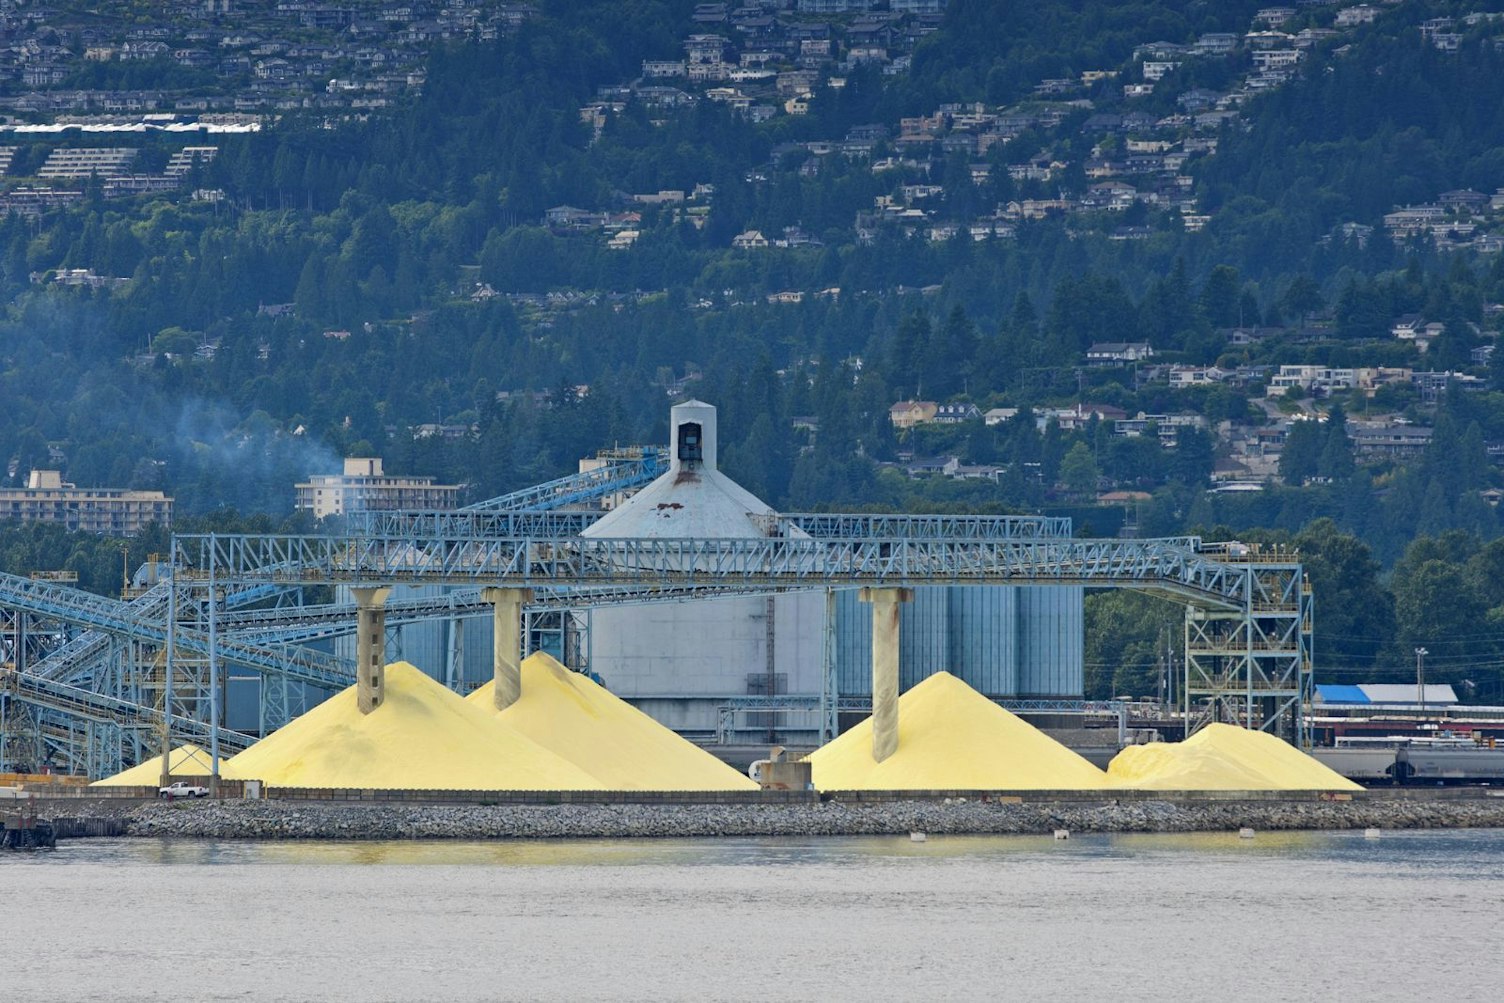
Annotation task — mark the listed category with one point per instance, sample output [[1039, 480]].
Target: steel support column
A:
[[507, 647], [370, 647], [885, 619]]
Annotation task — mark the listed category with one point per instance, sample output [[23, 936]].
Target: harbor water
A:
[[1280, 916]]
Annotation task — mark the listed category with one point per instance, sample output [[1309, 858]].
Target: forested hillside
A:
[[561, 223]]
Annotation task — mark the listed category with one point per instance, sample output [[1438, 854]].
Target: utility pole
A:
[[1420, 677]]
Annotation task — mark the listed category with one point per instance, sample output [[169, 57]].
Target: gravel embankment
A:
[[302, 820]]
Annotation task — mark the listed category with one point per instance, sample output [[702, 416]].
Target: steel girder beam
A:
[[746, 564], [629, 468], [547, 523]]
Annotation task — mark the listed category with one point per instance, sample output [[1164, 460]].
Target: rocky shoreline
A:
[[951, 816]]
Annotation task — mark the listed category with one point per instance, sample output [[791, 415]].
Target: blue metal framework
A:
[[1167, 567], [1253, 666], [549, 523], [121, 620], [99, 696], [625, 469], [836, 525]]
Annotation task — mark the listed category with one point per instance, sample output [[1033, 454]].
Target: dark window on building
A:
[[690, 442]]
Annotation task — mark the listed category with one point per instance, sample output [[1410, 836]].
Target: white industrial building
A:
[[683, 661]]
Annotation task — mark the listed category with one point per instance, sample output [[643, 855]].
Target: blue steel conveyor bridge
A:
[[98, 699]]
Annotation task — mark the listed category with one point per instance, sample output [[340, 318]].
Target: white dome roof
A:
[[693, 499]]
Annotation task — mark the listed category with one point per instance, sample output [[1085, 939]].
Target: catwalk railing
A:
[[548, 523]]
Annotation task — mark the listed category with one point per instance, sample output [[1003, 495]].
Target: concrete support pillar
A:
[[885, 611], [507, 641], [370, 648]]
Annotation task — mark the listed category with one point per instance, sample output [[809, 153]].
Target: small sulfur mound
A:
[[421, 737], [186, 761], [1223, 757], [950, 737], [583, 722]]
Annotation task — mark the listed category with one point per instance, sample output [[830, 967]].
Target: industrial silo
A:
[[682, 661], [1007, 642]]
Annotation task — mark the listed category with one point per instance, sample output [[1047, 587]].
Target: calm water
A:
[[1209, 917]]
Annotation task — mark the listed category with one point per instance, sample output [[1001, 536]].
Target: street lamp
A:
[[1420, 677]]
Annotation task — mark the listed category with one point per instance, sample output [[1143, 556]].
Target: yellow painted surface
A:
[[950, 737], [577, 718], [1223, 757], [186, 761], [422, 736]]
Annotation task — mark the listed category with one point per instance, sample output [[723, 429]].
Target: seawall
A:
[[234, 819]]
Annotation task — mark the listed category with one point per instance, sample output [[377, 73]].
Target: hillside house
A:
[[1387, 440], [567, 217], [1114, 195], [1407, 326], [749, 240], [907, 414], [998, 415], [1166, 426], [1118, 353], [1315, 379], [1195, 376], [1076, 416], [955, 414], [1349, 17], [1463, 200]]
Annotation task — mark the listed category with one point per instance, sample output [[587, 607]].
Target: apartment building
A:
[[363, 487], [113, 511]]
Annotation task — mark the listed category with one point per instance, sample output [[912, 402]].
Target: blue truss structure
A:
[[96, 700]]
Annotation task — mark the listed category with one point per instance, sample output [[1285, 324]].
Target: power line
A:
[[1451, 639]]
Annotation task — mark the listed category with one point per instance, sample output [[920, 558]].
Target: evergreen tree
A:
[[1336, 460], [1301, 299], [909, 359], [1300, 458], [1193, 458], [1078, 471], [1219, 296], [952, 355]]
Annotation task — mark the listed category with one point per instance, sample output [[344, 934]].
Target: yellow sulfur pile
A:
[[950, 737], [421, 737], [582, 721], [185, 760], [1223, 757]]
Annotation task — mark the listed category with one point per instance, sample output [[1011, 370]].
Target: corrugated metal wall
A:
[[1051, 652], [984, 638], [1003, 641]]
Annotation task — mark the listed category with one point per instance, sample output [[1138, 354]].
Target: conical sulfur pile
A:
[[1224, 757], [185, 761], [421, 737], [950, 737], [583, 722]]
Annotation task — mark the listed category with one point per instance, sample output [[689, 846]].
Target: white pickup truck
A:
[[183, 789]]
